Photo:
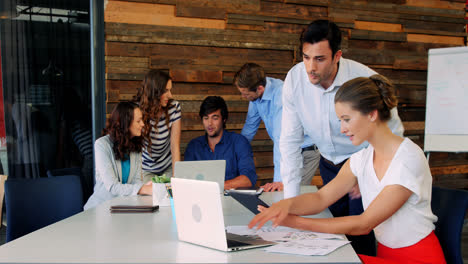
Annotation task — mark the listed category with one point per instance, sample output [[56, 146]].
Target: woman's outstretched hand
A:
[[277, 213]]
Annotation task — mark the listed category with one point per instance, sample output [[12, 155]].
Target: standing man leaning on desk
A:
[[219, 144], [308, 109], [265, 96]]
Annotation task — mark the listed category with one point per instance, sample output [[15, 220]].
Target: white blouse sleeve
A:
[[411, 170]]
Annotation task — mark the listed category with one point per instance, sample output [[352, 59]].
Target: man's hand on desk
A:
[[237, 182], [272, 186]]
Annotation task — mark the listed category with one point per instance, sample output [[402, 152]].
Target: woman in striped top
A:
[[161, 116]]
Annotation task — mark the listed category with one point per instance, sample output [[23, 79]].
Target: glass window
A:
[[46, 121]]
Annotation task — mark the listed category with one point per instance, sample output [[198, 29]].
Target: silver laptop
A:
[[203, 170], [200, 219]]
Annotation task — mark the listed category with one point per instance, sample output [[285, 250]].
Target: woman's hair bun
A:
[[386, 90]]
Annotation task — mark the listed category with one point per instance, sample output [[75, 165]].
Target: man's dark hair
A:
[[250, 76], [211, 104], [320, 30]]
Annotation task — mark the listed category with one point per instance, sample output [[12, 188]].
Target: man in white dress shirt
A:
[[308, 109]]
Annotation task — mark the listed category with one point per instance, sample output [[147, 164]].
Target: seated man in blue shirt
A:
[[219, 144]]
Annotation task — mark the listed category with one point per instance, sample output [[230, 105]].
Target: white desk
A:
[[96, 236]]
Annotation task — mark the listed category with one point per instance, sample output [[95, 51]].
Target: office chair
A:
[[450, 206], [32, 204], [71, 171], [64, 171]]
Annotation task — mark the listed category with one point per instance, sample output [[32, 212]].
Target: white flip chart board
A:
[[447, 100]]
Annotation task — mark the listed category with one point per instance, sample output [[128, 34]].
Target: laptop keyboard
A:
[[233, 243]]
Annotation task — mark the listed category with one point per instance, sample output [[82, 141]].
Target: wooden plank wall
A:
[[202, 43]]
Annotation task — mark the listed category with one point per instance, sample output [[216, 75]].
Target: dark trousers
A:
[[345, 206]]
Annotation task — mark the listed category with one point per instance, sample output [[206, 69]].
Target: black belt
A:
[[339, 165], [313, 147]]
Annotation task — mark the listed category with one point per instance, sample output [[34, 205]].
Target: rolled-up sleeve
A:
[[244, 156], [252, 122]]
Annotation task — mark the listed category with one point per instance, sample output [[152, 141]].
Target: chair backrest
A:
[[450, 206], [35, 203], [64, 171]]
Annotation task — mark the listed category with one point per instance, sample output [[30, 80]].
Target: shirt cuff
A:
[[136, 188], [291, 189]]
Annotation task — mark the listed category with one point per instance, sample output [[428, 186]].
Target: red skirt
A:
[[427, 250]]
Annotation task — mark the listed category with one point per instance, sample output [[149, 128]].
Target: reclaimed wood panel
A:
[[196, 76], [233, 106], [165, 2], [228, 5], [154, 14], [377, 26], [117, 32], [436, 4], [286, 9], [262, 19], [380, 15], [199, 12], [376, 35], [127, 49], [245, 27], [202, 43], [458, 41]]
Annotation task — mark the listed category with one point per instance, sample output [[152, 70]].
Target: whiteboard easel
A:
[[447, 100]]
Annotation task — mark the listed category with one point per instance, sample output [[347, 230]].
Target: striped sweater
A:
[[159, 158]]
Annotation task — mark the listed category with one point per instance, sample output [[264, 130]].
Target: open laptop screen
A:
[[204, 170]]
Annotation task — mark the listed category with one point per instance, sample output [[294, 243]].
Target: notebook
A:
[[200, 219], [133, 208], [204, 170]]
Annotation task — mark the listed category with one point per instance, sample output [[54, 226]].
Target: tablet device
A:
[[246, 190], [249, 201]]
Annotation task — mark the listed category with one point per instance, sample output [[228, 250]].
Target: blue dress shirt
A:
[[269, 108], [232, 147]]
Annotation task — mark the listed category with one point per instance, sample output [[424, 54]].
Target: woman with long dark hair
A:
[[161, 116], [118, 156]]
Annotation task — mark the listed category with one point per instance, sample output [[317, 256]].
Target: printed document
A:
[[294, 241], [316, 247]]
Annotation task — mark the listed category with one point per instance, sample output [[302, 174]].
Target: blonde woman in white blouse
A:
[[391, 174]]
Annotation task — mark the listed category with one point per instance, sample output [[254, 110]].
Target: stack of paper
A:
[[316, 247], [294, 241]]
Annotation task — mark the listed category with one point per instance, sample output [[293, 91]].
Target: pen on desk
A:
[[169, 191]]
